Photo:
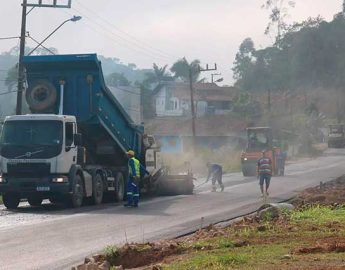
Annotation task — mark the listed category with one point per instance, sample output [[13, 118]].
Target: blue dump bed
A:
[[107, 129]]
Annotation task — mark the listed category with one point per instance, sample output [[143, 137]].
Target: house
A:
[[175, 135], [173, 99]]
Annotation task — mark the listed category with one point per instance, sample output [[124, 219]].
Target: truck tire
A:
[[11, 200], [41, 96], [77, 192], [35, 201], [97, 189], [119, 187]]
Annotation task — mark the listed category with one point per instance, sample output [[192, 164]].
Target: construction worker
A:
[[264, 172], [134, 168], [215, 171]]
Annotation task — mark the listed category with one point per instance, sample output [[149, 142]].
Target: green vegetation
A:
[[111, 252], [314, 230], [1, 200], [319, 215], [305, 57], [219, 259]]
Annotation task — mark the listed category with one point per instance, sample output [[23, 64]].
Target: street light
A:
[[73, 19]]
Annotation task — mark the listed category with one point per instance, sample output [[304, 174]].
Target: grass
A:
[[1, 200], [219, 259], [272, 248], [111, 252], [319, 215], [300, 239]]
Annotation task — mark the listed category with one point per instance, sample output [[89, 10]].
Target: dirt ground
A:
[[311, 237], [331, 193]]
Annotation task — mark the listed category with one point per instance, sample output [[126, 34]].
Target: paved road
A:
[[52, 238]]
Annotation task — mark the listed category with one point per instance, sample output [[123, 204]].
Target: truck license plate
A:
[[43, 188]]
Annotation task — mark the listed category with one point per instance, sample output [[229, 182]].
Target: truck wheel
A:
[[119, 187], [77, 192], [11, 200], [35, 201], [41, 96], [97, 189]]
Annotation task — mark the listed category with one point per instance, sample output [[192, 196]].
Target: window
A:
[[69, 133], [32, 132]]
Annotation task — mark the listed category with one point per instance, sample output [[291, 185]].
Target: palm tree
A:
[[182, 68], [153, 82], [157, 76]]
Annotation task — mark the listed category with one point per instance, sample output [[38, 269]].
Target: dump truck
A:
[[259, 139], [72, 146], [336, 136]]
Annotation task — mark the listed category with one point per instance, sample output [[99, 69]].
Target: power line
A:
[[135, 40], [7, 80], [9, 92], [115, 38], [125, 90], [37, 42], [129, 109], [5, 38], [106, 34]]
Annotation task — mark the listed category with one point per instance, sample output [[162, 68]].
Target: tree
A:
[[278, 13], [12, 78], [117, 79], [132, 65], [182, 68], [157, 75], [244, 59], [153, 82], [309, 55]]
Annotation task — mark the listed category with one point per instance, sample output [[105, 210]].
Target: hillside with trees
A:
[[306, 61], [116, 74]]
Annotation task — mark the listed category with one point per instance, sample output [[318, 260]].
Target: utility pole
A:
[[21, 75], [269, 107], [192, 103], [192, 96], [208, 69], [192, 99], [20, 61], [213, 75], [269, 101]]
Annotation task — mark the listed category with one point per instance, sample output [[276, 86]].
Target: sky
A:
[[155, 31]]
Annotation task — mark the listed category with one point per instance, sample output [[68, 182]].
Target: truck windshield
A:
[[47, 133], [258, 139]]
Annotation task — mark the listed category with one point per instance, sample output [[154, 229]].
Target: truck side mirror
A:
[[77, 139]]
